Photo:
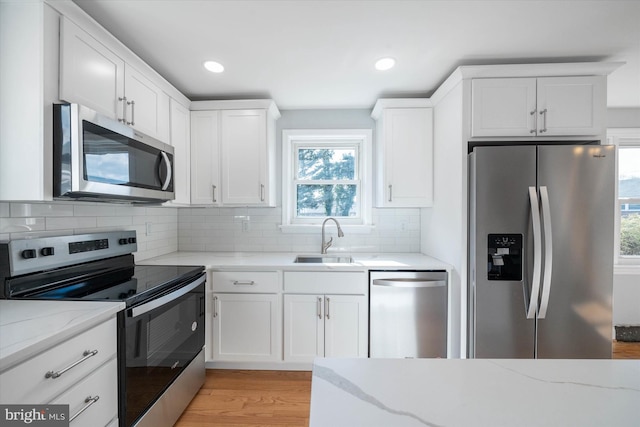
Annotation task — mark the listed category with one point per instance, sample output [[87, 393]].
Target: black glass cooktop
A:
[[107, 280]]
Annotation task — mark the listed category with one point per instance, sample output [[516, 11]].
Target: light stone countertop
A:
[[284, 260], [474, 392], [29, 327]]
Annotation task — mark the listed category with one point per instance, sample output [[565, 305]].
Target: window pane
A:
[[326, 200], [326, 164], [630, 230], [629, 172]]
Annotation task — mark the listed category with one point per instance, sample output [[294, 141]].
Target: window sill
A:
[[633, 269], [316, 228]]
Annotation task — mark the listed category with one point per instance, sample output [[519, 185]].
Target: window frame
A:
[[292, 140], [621, 138]]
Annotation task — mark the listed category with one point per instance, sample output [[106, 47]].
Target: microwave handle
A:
[[167, 162]]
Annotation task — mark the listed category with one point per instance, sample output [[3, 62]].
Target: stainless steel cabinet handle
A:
[[543, 113], [410, 283], [548, 252], [124, 109], [89, 401], [244, 282], [319, 308], [213, 192], [167, 163], [326, 307], [535, 121], [133, 109], [215, 306], [262, 192], [390, 192], [87, 354], [537, 253]]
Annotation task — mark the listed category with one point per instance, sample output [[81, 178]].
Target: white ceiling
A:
[[320, 53]]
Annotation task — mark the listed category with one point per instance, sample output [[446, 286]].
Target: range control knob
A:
[[122, 241], [29, 253], [131, 239], [47, 251]]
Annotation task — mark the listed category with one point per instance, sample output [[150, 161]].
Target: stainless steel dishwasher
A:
[[408, 314]]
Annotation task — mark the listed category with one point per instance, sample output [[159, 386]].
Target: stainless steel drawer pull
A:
[[89, 401], [87, 354], [243, 283], [133, 106], [327, 308], [215, 306], [319, 308]]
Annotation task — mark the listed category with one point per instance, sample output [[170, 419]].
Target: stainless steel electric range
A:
[[160, 332]]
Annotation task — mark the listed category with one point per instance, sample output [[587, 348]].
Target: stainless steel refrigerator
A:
[[541, 251]]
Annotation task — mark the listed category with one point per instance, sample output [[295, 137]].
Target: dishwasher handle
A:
[[410, 283]]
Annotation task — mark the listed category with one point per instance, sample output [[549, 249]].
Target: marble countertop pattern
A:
[[284, 260], [475, 392], [29, 327]]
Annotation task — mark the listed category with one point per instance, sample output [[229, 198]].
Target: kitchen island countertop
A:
[[474, 392], [28, 327]]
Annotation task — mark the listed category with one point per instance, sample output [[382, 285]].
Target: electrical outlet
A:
[[148, 230], [246, 225]]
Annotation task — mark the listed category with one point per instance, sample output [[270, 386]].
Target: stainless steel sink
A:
[[323, 259]]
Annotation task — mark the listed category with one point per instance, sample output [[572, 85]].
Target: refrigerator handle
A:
[[537, 254], [548, 252]]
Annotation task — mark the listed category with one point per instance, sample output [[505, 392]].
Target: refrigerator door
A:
[[501, 248], [580, 183]]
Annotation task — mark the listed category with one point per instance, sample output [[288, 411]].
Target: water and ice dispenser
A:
[[504, 257]]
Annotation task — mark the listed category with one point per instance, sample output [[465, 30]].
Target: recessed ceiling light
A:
[[213, 66], [385, 64]]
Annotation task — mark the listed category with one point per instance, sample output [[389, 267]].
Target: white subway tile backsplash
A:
[[40, 209], [4, 210], [21, 225], [74, 222]]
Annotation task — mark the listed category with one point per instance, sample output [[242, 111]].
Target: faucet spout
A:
[[325, 244]]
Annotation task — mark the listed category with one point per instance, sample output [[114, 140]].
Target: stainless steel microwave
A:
[[100, 159]]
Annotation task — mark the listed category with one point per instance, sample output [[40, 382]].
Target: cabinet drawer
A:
[[246, 281], [101, 385], [334, 282], [27, 382]]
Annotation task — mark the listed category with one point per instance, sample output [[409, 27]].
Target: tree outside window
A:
[[629, 200]]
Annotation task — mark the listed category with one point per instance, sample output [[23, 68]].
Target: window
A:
[[628, 190], [326, 173]]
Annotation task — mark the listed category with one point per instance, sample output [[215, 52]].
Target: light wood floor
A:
[[274, 398]]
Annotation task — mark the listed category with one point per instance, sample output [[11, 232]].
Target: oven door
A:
[[161, 337]]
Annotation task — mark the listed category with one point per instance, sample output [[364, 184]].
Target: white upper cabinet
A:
[[181, 142], [244, 157], [233, 153], [94, 76], [404, 148], [147, 106], [90, 74], [205, 155], [546, 106]]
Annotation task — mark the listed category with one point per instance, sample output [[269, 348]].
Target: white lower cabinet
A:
[[246, 327], [324, 326], [81, 372]]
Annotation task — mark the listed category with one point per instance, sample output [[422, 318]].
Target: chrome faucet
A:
[[325, 245]]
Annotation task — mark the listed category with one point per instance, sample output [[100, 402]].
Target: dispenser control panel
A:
[[504, 257]]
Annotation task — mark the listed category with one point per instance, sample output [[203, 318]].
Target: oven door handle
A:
[[151, 305]]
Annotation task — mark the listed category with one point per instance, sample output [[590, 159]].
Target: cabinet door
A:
[[181, 142], [345, 326], [90, 74], [244, 157], [245, 327], [147, 106], [571, 105], [503, 107], [303, 327], [407, 158], [205, 157]]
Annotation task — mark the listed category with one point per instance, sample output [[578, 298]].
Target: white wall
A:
[[626, 298], [22, 220], [443, 231], [623, 117]]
